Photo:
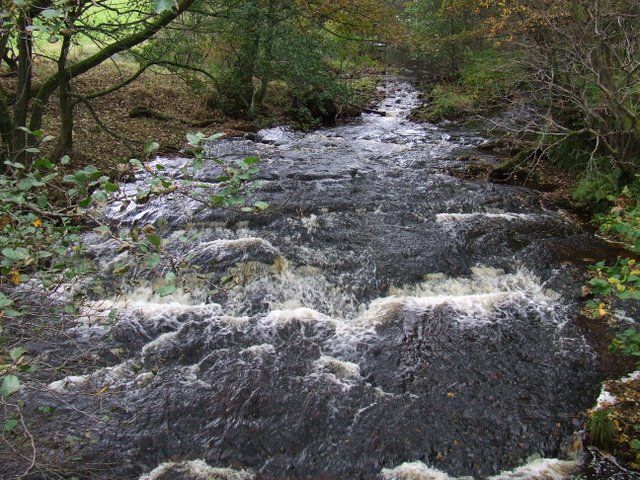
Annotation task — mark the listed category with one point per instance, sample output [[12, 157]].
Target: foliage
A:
[[601, 429], [627, 343], [491, 73], [595, 191], [485, 78], [623, 221], [622, 279], [244, 47], [45, 213], [451, 101], [441, 32], [63, 24], [578, 61]]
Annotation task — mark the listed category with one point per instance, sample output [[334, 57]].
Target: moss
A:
[[447, 101], [621, 429]]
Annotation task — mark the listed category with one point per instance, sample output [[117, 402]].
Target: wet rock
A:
[[600, 466]]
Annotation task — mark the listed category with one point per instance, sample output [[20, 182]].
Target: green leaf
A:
[[152, 260], [65, 160], [151, 147], [17, 353], [100, 196], [110, 187], [10, 385], [251, 160], [166, 290], [85, 203], [155, 240], [195, 139], [4, 300], [261, 205], [25, 184], [44, 163], [17, 254], [216, 136], [10, 425], [51, 13]]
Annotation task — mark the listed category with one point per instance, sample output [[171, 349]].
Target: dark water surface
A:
[[383, 321]]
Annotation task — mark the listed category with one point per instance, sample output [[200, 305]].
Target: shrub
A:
[[596, 191], [601, 429], [491, 74], [451, 101]]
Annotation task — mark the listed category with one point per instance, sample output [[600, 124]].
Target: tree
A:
[[583, 61], [442, 31], [245, 46], [63, 22]]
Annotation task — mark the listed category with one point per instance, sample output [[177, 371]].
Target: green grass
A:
[[109, 13]]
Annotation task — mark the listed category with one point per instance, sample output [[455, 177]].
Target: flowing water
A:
[[383, 320]]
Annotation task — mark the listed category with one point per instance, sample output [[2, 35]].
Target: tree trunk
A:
[[6, 128], [83, 66], [21, 139], [4, 39], [65, 140], [259, 96]]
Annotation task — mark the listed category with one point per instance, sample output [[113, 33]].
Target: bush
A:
[[601, 429], [623, 221], [486, 77], [596, 191], [491, 74], [450, 101]]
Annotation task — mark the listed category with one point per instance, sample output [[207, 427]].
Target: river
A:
[[383, 320]]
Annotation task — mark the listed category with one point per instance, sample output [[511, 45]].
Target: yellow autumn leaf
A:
[[602, 311], [15, 277], [37, 223], [102, 390]]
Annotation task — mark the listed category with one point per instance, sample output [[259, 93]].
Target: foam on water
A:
[[474, 297], [416, 471], [541, 469], [340, 368], [282, 288], [196, 470], [538, 469], [259, 350], [481, 292], [507, 216], [217, 250], [109, 376]]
